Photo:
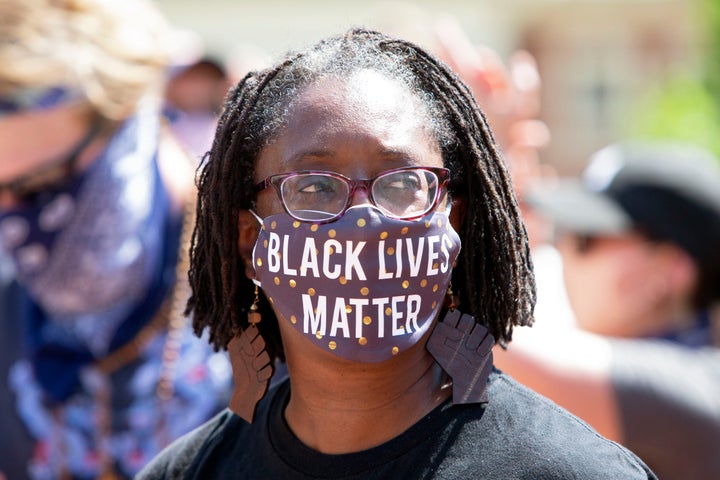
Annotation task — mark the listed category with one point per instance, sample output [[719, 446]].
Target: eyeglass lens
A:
[[320, 196]]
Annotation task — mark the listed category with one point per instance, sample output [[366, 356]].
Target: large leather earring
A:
[[251, 366], [463, 348]]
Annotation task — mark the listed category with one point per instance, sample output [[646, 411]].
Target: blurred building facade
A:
[[596, 57]]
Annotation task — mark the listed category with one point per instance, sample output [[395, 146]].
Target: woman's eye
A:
[[316, 186], [404, 182]]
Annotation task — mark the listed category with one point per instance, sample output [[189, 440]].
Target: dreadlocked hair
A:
[[493, 274]]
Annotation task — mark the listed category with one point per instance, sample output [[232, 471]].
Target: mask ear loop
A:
[[257, 217]]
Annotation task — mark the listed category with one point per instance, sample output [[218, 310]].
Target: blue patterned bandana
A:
[[87, 251]]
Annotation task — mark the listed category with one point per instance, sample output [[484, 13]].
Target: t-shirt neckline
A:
[[302, 458]]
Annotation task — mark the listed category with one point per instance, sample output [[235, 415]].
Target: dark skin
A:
[[358, 126]]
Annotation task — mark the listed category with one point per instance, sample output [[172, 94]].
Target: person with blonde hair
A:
[[101, 367]]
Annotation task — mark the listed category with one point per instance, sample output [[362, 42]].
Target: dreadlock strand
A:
[[507, 217]]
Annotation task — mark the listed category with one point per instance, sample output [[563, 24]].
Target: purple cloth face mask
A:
[[365, 287]]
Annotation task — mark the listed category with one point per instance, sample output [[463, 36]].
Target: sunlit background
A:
[[610, 68]]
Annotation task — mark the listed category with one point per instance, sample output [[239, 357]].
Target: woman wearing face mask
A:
[[340, 188], [93, 194]]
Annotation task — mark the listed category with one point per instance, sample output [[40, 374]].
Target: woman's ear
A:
[[248, 229], [457, 213]]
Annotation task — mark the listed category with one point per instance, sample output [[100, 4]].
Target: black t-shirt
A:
[[669, 398], [518, 435]]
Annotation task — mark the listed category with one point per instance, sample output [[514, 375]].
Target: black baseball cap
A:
[[667, 190]]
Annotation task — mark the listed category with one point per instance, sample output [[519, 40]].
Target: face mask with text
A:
[[364, 287]]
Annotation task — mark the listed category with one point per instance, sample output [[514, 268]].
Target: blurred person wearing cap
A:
[[99, 369], [626, 340]]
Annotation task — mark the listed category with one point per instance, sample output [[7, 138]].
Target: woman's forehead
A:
[[366, 103], [366, 91], [366, 114]]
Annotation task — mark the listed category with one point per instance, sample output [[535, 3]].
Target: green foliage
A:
[[685, 107], [710, 12], [680, 108]]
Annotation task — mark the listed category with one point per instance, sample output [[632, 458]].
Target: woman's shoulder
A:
[[197, 452], [175, 460], [538, 431]]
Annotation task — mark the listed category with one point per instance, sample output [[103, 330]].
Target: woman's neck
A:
[[341, 408]]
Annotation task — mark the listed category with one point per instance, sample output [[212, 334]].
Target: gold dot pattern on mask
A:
[[328, 313]]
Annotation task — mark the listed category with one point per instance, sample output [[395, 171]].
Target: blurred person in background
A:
[[193, 98], [638, 241], [98, 368]]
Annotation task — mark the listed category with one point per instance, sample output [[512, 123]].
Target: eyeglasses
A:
[[25, 187], [321, 197]]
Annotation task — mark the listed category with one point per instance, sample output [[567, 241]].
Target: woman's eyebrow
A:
[[309, 155], [400, 156]]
